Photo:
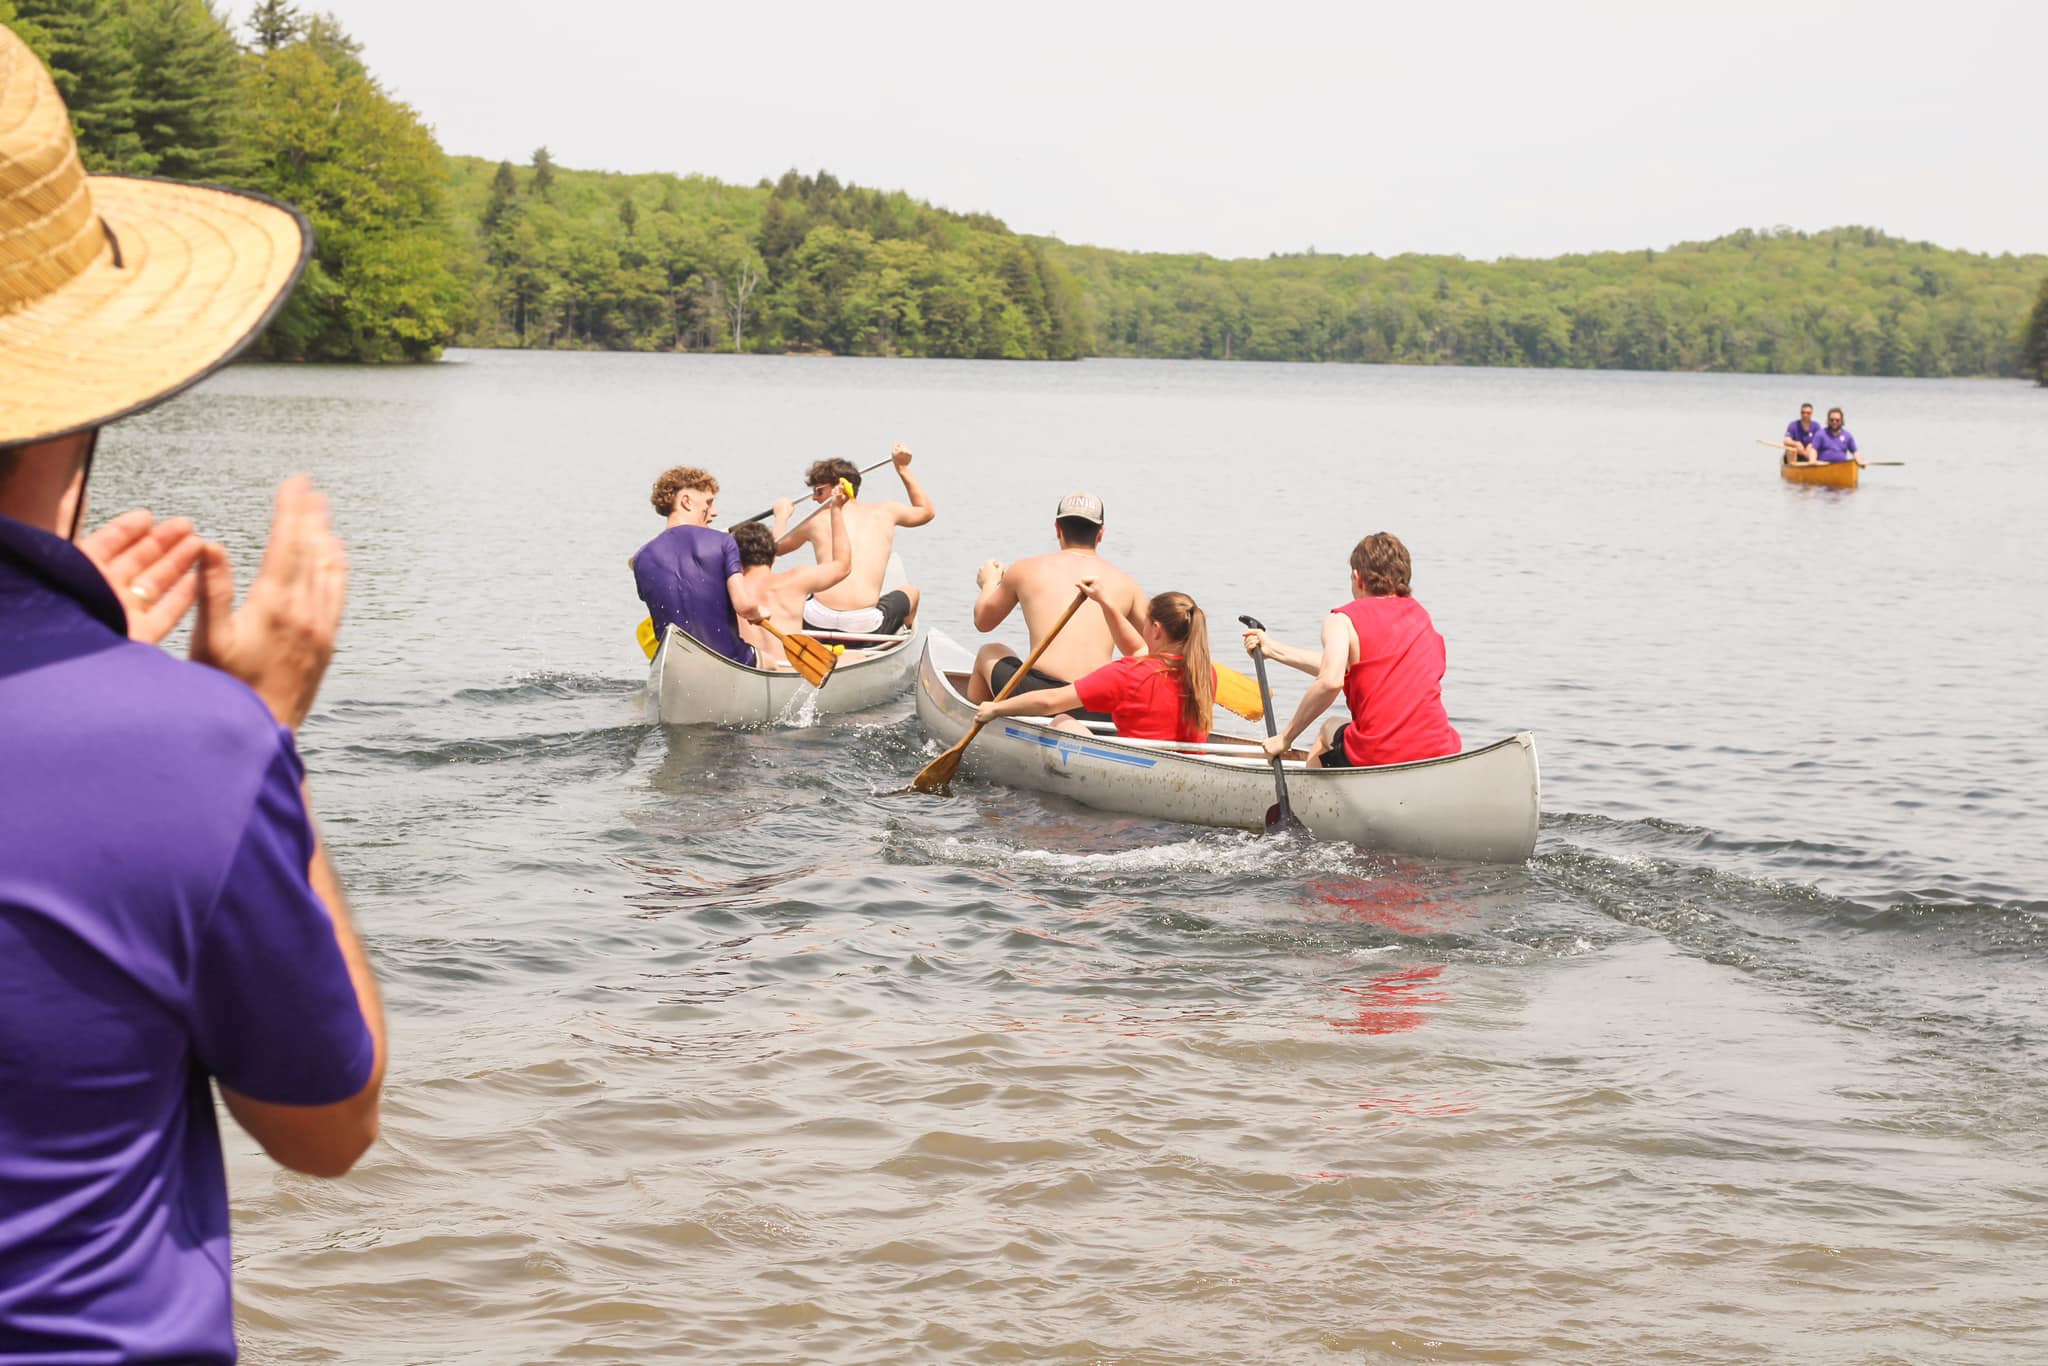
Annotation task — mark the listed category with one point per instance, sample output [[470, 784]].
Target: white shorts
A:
[[862, 621]]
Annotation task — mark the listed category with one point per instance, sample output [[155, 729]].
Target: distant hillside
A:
[[808, 264]]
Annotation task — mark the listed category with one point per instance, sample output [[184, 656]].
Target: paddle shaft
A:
[[764, 516], [1272, 722]]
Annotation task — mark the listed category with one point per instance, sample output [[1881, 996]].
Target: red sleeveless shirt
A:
[[1395, 690]]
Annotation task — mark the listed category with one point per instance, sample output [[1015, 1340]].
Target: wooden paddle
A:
[[814, 659], [937, 775], [764, 516], [1280, 817]]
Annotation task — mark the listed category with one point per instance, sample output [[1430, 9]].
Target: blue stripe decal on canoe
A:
[[1068, 748]]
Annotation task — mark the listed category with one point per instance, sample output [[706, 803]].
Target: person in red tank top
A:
[[1383, 654], [1168, 692]]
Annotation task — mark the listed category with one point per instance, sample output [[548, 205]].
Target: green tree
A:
[[86, 43], [543, 173], [273, 23], [322, 135], [186, 72], [2035, 348]]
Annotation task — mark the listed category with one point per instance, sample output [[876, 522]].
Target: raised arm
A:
[[1307, 661], [920, 510], [803, 533], [1327, 687], [996, 597], [817, 578], [1122, 633]]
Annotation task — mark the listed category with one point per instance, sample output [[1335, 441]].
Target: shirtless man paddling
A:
[[1043, 586], [857, 603], [781, 593]]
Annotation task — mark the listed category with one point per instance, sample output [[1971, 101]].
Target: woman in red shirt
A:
[[1166, 693], [1383, 654]]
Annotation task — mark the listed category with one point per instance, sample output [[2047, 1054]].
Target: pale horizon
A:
[[1489, 133]]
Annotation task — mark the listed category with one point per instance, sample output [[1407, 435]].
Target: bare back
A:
[[1044, 586], [872, 529]]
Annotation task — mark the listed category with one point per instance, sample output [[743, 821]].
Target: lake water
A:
[[705, 1049]]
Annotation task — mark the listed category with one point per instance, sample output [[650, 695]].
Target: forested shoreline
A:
[[418, 250]]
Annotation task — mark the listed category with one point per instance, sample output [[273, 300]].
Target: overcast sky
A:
[[1485, 130]]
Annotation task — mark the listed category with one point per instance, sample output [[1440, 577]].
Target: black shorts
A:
[[1003, 670], [1336, 756], [895, 605]]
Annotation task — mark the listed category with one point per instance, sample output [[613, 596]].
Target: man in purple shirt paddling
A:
[[169, 921], [1833, 444], [690, 575]]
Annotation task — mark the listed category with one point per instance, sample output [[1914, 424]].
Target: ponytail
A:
[[1187, 626]]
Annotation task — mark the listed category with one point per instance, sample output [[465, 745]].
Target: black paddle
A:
[[764, 516], [1280, 817]]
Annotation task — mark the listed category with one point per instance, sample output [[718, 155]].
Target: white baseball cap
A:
[[1084, 506]]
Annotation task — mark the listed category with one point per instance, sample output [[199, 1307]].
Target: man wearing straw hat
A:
[[167, 914]]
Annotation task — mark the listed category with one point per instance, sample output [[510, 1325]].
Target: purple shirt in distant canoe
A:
[[157, 929], [1803, 435], [681, 576], [1835, 447]]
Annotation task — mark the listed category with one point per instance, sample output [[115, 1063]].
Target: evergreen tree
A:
[[504, 196], [273, 23], [186, 70], [543, 172], [2035, 350], [86, 44]]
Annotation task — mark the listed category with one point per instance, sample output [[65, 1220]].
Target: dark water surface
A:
[[705, 1050]]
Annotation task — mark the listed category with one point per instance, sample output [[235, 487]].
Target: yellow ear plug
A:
[[838, 649], [847, 484]]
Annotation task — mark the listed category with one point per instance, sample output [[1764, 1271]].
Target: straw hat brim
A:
[[190, 276]]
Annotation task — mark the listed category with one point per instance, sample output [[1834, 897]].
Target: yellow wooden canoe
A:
[[1841, 474]]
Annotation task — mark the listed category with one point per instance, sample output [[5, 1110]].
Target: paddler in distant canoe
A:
[[857, 603], [689, 575], [1043, 585], [1383, 655], [781, 593], [1799, 436], [1833, 444]]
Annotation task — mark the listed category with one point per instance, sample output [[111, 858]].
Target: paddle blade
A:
[[1280, 822], [937, 775], [1236, 692], [813, 659], [648, 640]]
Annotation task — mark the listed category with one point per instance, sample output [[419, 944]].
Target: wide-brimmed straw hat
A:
[[117, 292]]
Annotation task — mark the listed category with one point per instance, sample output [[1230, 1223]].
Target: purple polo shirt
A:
[[1803, 435], [156, 930], [1834, 447], [681, 576]]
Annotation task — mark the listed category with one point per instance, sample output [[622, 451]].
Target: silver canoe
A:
[[1479, 807], [692, 685]]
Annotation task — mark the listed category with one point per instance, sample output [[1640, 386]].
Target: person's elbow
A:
[[918, 516], [317, 1140]]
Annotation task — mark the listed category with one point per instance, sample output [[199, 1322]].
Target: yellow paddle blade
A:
[[648, 641], [1239, 693]]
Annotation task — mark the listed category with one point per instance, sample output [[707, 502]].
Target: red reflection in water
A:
[[1391, 1002], [1391, 904]]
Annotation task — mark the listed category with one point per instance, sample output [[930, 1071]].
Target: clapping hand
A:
[[279, 641], [149, 563]]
